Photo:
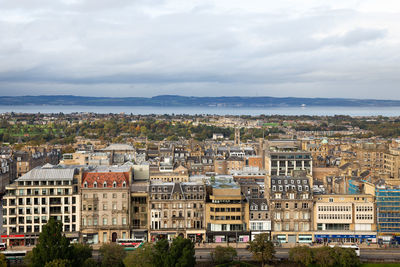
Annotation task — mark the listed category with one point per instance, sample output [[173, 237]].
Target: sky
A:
[[302, 48]]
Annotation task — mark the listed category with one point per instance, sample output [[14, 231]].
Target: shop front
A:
[[197, 236], [139, 235], [90, 238], [155, 236], [345, 238], [254, 234], [13, 240], [228, 237]]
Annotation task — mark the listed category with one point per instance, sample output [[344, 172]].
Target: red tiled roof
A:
[[101, 177]]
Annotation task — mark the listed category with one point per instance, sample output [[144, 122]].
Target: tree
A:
[[3, 260], [301, 254], [112, 255], [90, 263], [161, 249], [181, 253], [222, 255], [141, 257], [262, 249], [52, 245], [59, 263], [346, 257], [81, 252], [324, 256]]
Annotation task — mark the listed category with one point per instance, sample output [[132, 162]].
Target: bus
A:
[[14, 255], [356, 248], [130, 244]]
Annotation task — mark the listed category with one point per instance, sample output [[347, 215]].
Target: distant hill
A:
[[176, 100]]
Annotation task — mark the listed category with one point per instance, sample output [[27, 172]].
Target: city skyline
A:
[[200, 48]]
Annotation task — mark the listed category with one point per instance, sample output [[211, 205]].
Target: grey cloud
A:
[[146, 48], [356, 36]]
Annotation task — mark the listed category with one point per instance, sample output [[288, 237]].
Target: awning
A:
[[13, 236], [345, 236]]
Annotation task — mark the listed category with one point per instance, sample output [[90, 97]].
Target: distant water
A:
[[329, 111]]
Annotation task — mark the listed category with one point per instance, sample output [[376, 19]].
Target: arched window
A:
[[124, 184], [95, 184], [114, 184], [85, 184], [105, 184]]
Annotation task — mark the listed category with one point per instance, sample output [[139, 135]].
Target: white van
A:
[[356, 248]]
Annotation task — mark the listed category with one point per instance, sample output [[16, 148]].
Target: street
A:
[[282, 253]]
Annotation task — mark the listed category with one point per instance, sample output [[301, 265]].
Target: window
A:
[[105, 240], [114, 184], [104, 206], [114, 195], [105, 184], [95, 184], [104, 221], [124, 184], [114, 221], [85, 184], [123, 221]]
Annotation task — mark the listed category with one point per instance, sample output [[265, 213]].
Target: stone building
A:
[[105, 205], [291, 206], [177, 209], [139, 209]]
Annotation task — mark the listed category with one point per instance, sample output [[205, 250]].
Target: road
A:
[[283, 253]]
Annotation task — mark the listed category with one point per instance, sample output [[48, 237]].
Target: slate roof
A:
[[49, 172]]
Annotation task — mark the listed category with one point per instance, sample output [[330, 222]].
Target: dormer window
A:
[[124, 184], [85, 184], [114, 184], [95, 184], [105, 184]]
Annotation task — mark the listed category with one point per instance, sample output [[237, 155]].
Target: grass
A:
[[380, 265]]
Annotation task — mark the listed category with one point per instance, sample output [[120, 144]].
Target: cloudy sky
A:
[[330, 48]]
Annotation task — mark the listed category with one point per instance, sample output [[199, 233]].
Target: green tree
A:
[[324, 256], [141, 257], [221, 255], [3, 260], [262, 249], [301, 254], [181, 253], [346, 257], [161, 249], [90, 262], [112, 255], [52, 245], [59, 263], [81, 252]]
